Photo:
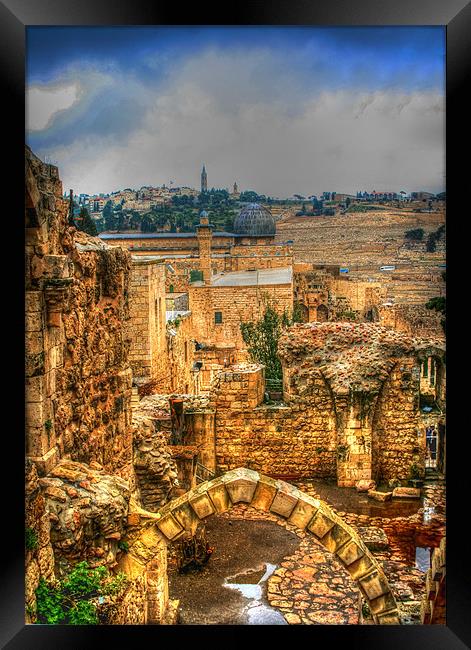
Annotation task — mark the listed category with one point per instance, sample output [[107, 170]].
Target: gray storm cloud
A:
[[250, 119]]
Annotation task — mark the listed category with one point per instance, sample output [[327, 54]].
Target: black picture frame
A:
[[15, 15]]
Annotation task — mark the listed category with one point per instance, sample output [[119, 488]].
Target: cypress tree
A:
[[86, 223]]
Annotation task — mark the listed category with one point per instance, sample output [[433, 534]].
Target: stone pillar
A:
[[354, 458]]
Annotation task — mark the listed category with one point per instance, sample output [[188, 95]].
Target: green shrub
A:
[[123, 546], [70, 601], [31, 539]]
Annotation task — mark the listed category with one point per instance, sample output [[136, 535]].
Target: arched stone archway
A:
[[182, 516]]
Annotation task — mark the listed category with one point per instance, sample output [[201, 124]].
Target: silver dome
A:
[[254, 220]]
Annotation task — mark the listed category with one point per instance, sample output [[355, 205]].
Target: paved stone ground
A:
[[310, 587], [393, 541]]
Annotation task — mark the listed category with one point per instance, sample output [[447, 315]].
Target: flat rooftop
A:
[[252, 278], [164, 235]]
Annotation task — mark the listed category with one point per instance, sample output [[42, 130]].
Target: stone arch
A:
[[432, 373], [182, 516]]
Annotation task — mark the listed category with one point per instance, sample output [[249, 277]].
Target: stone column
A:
[[354, 459]]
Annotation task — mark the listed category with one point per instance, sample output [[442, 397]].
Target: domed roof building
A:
[[254, 220]]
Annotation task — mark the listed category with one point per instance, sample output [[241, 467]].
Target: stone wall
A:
[[350, 406], [373, 376], [284, 441], [180, 355], [155, 470], [396, 443], [415, 320], [39, 559], [78, 380], [237, 304], [146, 326], [79, 437]]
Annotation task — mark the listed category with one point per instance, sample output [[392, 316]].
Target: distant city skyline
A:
[[279, 110]]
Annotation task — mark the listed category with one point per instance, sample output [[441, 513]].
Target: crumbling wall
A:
[[396, 443], [88, 511], [39, 559], [415, 320], [146, 326], [78, 380], [286, 441], [155, 469], [79, 437], [373, 375]]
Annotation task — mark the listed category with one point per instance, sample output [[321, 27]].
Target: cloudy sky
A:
[[281, 110]]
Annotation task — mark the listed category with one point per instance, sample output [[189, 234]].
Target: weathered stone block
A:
[[265, 493], [33, 301], [335, 538], [220, 497], [303, 511], [35, 389], [408, 492], [241, 485], [187, 517], [202, 505], [151, 538], [364, 485], [131, 566], [170, 527], [382, 603], [379, 496], [359, 567], [285, 500], [389, 618], [320, 524], [374, 585]]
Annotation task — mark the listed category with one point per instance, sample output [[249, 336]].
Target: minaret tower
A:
[[204, 180], [205, 237]]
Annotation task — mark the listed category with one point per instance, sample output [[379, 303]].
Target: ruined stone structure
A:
[[350, 408], [182, 516], [78, 385], [106, 461], [79, 436], [415, 320], [322, 294]]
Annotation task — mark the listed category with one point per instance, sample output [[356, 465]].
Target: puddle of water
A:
[[258, 613], [252, 577], [254, 592], [263, 615]]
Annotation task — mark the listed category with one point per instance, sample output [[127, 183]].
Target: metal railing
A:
[[203, 474]]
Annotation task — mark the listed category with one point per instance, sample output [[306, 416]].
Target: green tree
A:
[[438, 304], [261, 338], [415, 235], [148, 223], [86, 223]]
